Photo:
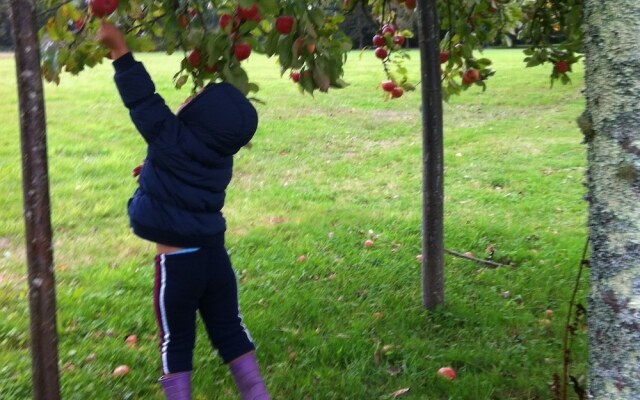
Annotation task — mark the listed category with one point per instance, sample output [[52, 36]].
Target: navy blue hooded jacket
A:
[[189, 157]]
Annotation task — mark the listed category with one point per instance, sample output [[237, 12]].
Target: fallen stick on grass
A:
[[491, 264]]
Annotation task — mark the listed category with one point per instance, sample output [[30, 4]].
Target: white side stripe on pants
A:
[[163, 316]]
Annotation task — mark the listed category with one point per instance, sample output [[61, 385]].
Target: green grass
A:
[[324, 174]]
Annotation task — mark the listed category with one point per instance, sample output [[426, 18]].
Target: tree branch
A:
[[55, 8], [491, 264]]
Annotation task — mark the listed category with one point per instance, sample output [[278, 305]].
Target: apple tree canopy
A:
[[214, 36]]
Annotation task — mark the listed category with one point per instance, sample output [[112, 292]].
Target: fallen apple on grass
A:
[[447, 373], [121, 370], [131, 341]]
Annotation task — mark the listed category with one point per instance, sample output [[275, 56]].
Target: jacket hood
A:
[[222, 117]]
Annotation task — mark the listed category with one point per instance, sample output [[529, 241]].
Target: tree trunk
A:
[[612, 132], [432, 158], [37, 214]]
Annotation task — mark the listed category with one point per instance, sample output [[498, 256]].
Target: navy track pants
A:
[[198, 280]]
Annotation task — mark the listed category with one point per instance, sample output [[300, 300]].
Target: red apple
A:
[[381, 53], [194, 58], [396, 92], [79, 24], [562, 66], [211, 68], [410, 4], [447, 372], [121, 370], [368, 243], [388, 86], [469, 254], [284, 24], [388, 29], [311, 47], [398, 40], [183, 20], [224, 21], [470, 76], [242, 51], [379, 40], [444, 57], [131, 341], [302, 258], [249, 14], [102, 8], [295, 76]]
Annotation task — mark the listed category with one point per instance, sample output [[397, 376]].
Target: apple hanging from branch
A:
[[102, 8], [304, 36]]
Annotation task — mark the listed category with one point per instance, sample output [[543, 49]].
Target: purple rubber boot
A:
[[246, 373], [177, 386]]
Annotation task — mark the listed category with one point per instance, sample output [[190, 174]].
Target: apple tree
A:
[[215, 37]]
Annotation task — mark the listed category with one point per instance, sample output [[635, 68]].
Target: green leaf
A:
[[285, 56], [253, 88], [235, 75], [180, 82], [246, 3], [271, 43], [269, 7], [140, 43]]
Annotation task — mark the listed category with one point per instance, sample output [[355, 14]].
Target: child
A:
[[177, 206]]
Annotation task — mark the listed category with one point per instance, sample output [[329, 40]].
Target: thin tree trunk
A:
[[37, 216], [612, 131], [432, 158]]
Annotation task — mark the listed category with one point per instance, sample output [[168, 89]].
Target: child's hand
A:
[[112, 38]]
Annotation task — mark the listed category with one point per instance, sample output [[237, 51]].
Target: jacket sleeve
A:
[[149, 113]]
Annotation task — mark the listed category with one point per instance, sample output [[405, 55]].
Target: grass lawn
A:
[[324, 174]]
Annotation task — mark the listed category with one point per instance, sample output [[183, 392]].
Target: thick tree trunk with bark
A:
[[612, 132]]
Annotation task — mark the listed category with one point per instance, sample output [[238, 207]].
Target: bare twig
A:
[[142, 25], [491, 264], [54, 8], [567, 327]]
